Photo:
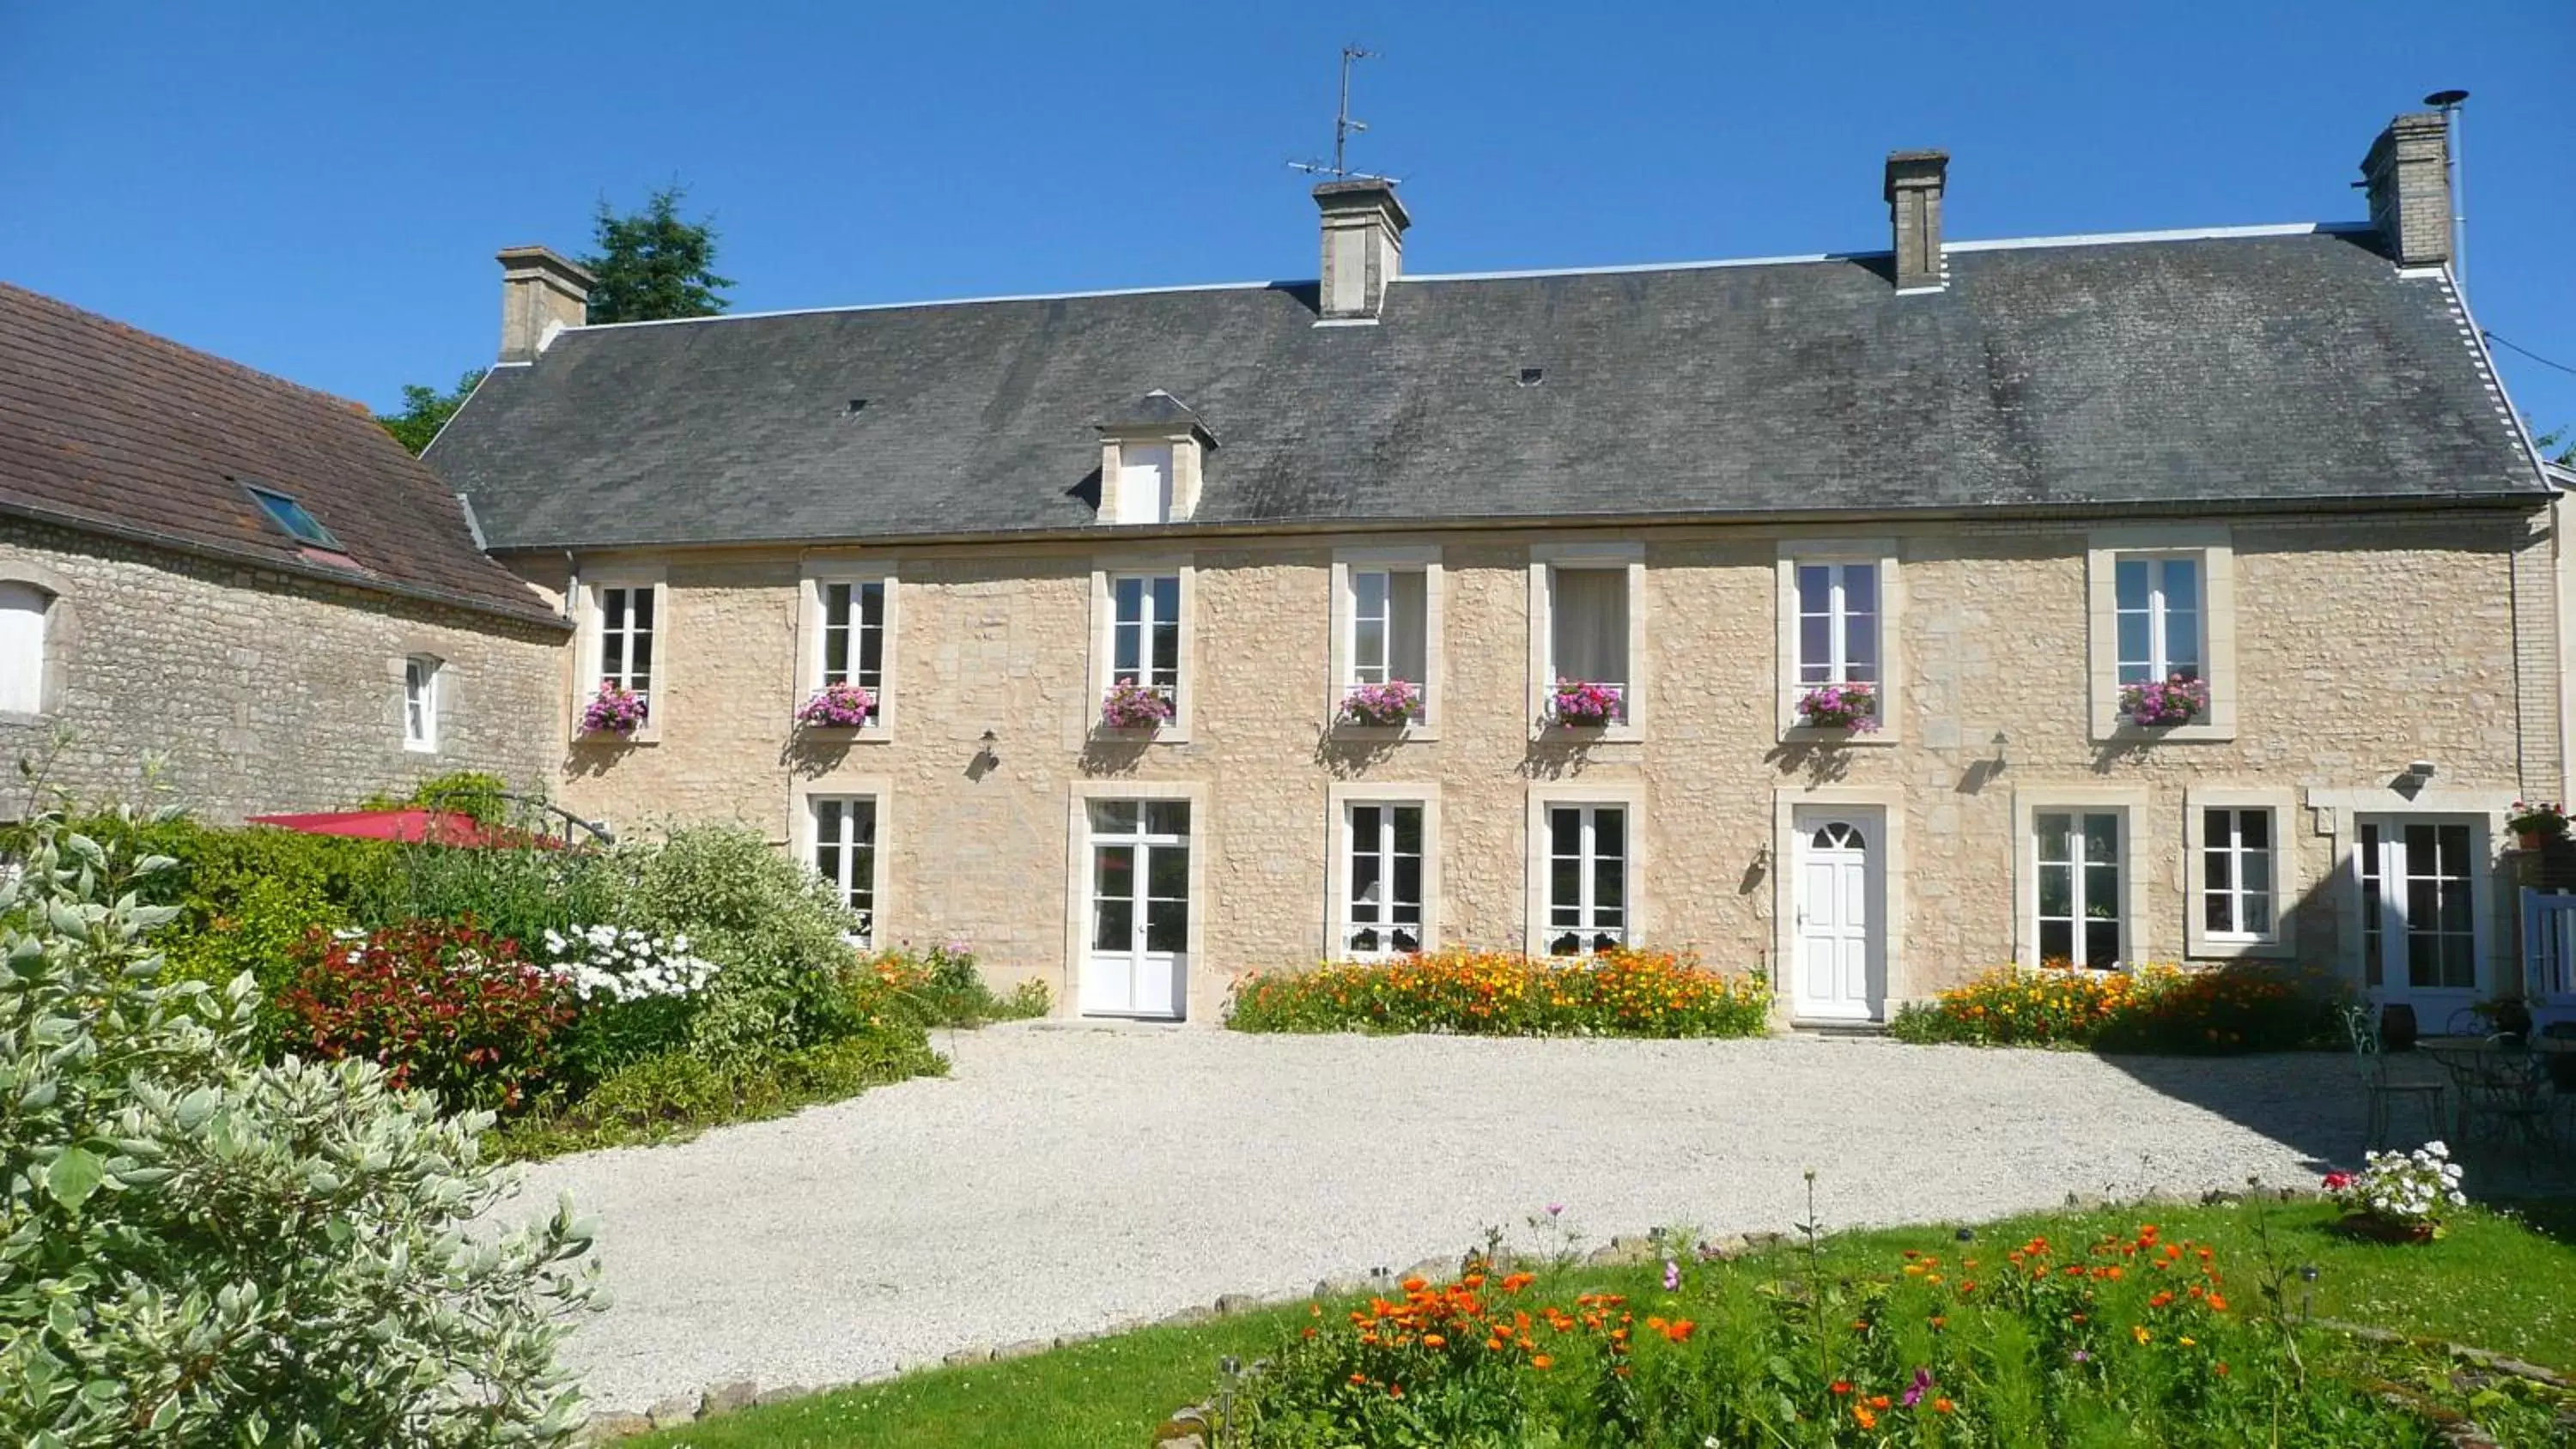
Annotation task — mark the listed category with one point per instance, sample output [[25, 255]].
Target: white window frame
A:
[[813, 619], [2137, 944], [1630, 798], [587, 674], [805, 829], [1104, 643], [2212, 545], [1181, 498], [53, 631], [2199, 941], [1347, 563], [1796, 552], [422, 693], [1341, 798], [1544, 560]]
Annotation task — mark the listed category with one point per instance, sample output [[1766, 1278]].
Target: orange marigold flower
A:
[[1542, 1362], [1433, 1340], [2219, 1368], [1943, 1406], [1842, 1386], [1867, 1419], [2216, 1303]]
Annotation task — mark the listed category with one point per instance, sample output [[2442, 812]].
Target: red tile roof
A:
[[106, 427]]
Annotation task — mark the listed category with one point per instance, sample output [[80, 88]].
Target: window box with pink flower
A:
[[615, 712], [1132, 706]]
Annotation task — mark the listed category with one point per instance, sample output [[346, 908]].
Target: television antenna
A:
[[1343, 126]]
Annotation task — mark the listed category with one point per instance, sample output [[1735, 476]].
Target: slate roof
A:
[[2285, 366], [107, 428]]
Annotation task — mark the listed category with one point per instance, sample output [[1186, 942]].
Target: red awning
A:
[[437, 827]]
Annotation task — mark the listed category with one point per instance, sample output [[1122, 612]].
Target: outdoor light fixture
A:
[[2000, 740], [989, 757], [2421, 769]]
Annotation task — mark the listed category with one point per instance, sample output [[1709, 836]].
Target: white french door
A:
[[1138, 913], [2423, 912], [1841, 964]]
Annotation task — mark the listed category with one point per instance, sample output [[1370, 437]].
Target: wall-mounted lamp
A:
[[1999, 742], [988, 756], [1761, 858], [2421, 770]]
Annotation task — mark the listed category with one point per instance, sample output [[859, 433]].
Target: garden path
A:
[[1065, 1179]]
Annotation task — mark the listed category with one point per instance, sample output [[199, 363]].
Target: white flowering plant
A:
[[638, 992], [2411, 1190]]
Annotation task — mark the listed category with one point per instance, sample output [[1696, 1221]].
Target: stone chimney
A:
[[2408, 174], [1914, 183], [1363, 245], [540, 292]]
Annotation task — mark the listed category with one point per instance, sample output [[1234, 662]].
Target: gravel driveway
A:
[[1065, 1179]]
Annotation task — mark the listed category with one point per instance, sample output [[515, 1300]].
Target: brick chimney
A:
[[541, 291], [1914, 183], [2408, 174], [1363, 245]]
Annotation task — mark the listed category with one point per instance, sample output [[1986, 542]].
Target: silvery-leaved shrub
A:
[[199, 1248]]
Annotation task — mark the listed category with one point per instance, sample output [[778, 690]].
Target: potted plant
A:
[[1133, 706], [1585, 705], [1381, 706], [1852, 707], [2505, 1016], [614, 710], [2398, 1197], [838, 707], [2537, 824], [2175, 701]]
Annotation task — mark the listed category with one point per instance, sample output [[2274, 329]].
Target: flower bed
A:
[[837, 707], [2153, 1008], [2399, 1196], [1381, 706], [1503, 993], [1851, 707], [2125, 1337], [2175, 701]]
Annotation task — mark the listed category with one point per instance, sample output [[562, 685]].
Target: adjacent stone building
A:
[[1869, 618], [245, 580]]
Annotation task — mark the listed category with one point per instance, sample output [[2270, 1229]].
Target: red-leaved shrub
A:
[[441, 1005]]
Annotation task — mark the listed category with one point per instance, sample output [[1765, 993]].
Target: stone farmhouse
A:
[[244, 579], [1869, 618]]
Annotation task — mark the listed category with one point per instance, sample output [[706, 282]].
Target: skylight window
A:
[[292, 516]]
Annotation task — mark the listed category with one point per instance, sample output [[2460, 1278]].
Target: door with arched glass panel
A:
[[1840, 970]]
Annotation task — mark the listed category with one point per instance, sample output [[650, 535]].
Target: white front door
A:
[[1840, 971], [2423, 912], [1138, 959]]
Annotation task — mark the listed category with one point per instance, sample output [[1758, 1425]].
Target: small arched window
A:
[[23, 617]]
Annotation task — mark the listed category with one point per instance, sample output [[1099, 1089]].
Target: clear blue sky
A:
[[317, 189]]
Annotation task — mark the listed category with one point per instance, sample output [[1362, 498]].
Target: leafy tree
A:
[[426, 410], [2555, 445], [651, 264], [205, 1249]]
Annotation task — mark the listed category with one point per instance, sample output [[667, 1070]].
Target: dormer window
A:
[[1151, 456], [287, 514]]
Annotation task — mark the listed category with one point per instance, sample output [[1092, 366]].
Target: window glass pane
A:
[[2459, 967], [2423, 959], [2102, 892], [2053, 830], [2257, 868], [1591, 625], [1564, 891], [612, 609], [642, 607], [2129, 577], [1113, 873], [863, 820], [1130, 594], [1815, 588], [2101, 838], [1368, 650], [2101, 943], [1407, 891], [1609, 832], [1167, 873], [2258, 915], [2182, 644], [2056, 891], [1408, 608], [836, 633], [1815, 649], [2137, 650], [1860, 649], [640, 673], [2182, 584], [1565, 831], [1167, 597], [1167, 925], [1167, 817], [1860, 588], [2218, 911], [1408, 829], [1368, 594], [872, 635], [2254, 828], [1113, 817], [2056, 940], [1167, 653], [1609, 885], [2217, 870], [1113, 923]]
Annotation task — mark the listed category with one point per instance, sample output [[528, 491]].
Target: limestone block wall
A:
[[262, 691], [2361, 645]]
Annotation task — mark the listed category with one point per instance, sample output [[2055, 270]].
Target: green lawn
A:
[[2502, 1281]]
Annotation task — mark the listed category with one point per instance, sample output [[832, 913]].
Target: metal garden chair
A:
[[2380, 1087]]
